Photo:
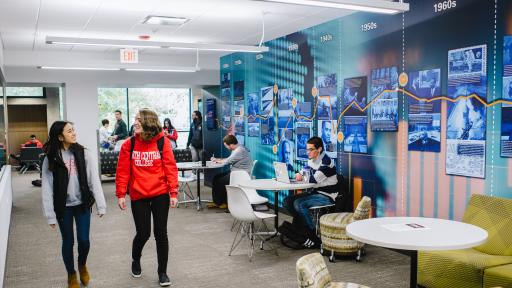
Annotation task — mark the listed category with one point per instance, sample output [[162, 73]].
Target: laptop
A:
[[281, 171]]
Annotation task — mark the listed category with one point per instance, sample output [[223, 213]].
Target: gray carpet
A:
[[200, 243]]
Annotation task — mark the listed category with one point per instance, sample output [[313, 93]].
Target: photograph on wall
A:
[[466, 124], [507, 88], [268, 134], [303, 110], [211, 114], [225, 82], [285, 153], [253, 107], [303, 131], [507, 55], [506, 132], [285, 123], [225, 94], [327, 130], [356, 135], [239, 108], [327, 107], [424, 117], [253, 129], [327, 100], [467, 65], [327, 84], [284, 102], [384, 110], [238, 93], [267, 99], [354, 90], [226, 113], [239, 129]]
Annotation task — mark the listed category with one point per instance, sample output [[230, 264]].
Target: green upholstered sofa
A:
[[487, 265]]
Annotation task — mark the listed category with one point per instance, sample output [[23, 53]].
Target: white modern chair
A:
[[241, 209], [184, 189], [239, 177], [252, 169]]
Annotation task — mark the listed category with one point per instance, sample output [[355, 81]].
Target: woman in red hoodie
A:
[[151, 177], [170, 132]]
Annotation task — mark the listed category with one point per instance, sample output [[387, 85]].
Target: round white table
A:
[[416, 233], [276, 186], [198, 167]]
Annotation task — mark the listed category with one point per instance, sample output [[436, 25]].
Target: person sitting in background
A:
[[104, 135], [170, 132], [32, 142], [240, 159], [322, 171]]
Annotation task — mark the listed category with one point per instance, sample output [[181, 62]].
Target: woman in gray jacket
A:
[[71, 185]]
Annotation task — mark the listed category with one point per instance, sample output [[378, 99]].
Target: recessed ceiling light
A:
[[164, 20]]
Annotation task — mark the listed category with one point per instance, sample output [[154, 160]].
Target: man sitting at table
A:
[[240, 159], [322, 171]]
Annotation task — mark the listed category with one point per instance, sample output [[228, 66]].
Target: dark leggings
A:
[[82, 217], [142, 210]]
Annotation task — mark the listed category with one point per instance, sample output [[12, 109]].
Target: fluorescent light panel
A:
[[178, 69], [77, 68], [154, 44], [164, 20], [375, 6]]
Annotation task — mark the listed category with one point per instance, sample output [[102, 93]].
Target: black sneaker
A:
[[310, 243], [136, 270], [164, 280]]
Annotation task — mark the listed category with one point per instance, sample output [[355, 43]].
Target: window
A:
[[110, 100], [172, 103], [23, 92]]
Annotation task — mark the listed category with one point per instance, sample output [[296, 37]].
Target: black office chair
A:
[[29, 158]]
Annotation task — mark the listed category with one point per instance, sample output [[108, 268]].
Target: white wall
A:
[[5, 217], [81, 90], [1, 60]]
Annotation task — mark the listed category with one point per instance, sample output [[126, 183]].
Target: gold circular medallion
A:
[[274, 149], [294, 102], [403, 79], [341, 137], [314, 91]]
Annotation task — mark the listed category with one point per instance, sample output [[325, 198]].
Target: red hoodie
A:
[[149, 177]]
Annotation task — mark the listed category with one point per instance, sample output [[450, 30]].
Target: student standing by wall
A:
[[195, 136], [71, 185], [151, 176]]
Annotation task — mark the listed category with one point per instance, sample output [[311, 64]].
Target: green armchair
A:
[[487, 265]]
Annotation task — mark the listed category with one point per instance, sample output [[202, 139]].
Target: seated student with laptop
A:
[[322, 171], [240, 159]]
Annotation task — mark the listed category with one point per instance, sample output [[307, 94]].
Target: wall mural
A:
[[408, 105]]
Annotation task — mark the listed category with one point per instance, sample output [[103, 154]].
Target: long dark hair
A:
[[199, 117], [53, 145], [167, 120]]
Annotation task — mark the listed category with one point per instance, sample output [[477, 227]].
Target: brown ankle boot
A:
[[72, 281], [84, 274]]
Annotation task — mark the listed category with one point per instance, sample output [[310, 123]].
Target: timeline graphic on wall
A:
[[425, 117], [465, 132], [506, 111]]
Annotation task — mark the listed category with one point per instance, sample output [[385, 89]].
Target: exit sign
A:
[[129, 55]]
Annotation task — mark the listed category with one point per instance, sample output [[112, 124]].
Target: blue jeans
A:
[[83, 223], [302, 204]]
